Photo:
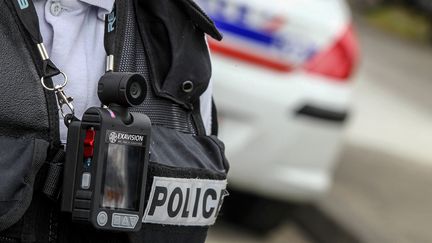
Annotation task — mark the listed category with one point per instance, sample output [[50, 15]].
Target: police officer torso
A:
[[162, 40]]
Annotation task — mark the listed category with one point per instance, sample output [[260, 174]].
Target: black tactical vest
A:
[[164, 40]]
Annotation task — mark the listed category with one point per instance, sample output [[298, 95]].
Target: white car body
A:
[[274, 151]]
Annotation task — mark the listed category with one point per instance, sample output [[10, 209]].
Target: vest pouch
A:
[[174, 36], [185, 189], [20, 161]]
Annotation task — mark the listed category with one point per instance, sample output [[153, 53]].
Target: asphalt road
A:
[[382, 191]]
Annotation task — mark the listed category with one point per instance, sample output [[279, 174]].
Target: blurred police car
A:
[[282, 87]]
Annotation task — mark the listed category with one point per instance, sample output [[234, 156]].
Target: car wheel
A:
[[257, 214]]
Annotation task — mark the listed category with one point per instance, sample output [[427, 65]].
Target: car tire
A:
[[254, 213]]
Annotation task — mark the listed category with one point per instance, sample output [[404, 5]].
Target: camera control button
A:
[[102, 218], [134, 220], [127, 221], [116, 220], [85, 181]]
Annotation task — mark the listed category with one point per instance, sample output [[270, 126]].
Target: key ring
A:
[[62, 99], [56, 87]]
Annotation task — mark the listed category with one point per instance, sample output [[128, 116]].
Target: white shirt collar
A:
[[105, 6]]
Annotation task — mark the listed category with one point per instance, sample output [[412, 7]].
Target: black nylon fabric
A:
[[171, 148], [176, 47], [176, 151], [39, 224], [20, 161], [201, 18], [24, 108], [27, 109], [133, 58], [27, 113], [169, 234], [53, 176]]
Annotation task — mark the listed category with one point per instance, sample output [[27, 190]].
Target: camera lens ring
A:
[[136, 90], [124, 89]]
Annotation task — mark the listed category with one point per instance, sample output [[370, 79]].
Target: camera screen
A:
[[123, 177]]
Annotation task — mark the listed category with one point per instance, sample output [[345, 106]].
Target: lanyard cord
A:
[[27, 15], [109, 39]]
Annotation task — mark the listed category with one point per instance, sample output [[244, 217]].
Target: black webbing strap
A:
[[214, 120], [53, 178], [26, 12]]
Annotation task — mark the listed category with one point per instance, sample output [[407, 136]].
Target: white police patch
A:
[[188, 202]]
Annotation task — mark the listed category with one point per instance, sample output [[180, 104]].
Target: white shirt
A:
[[73, 33]]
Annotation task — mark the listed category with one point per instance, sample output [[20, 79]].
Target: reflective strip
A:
[[249, 56]]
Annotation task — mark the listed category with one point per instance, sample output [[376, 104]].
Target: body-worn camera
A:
[[107, 157]]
